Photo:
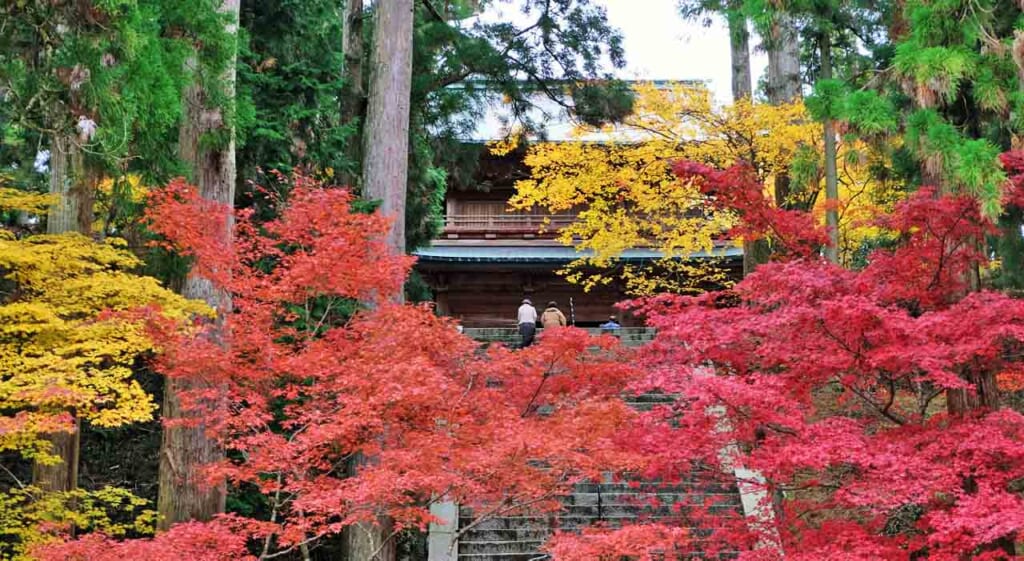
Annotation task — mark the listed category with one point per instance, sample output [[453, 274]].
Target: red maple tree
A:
[[833, 384], [319, 365]]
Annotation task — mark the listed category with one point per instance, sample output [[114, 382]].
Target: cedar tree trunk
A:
[[831, 175], [184, 494], [73, 186], [386, 134]]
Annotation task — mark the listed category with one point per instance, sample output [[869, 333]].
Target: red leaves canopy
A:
[[299, 387], [831, 383], [827, 382]]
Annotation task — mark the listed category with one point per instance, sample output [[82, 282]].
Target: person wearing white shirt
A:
[[526, 318]]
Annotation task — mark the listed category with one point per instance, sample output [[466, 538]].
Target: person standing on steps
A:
[[526, 318], [611, 326], [552, 316]]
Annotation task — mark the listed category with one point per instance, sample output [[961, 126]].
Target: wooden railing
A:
[[507, 223]]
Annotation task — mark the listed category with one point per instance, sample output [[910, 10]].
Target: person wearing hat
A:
[[526, 318], [552, 316]]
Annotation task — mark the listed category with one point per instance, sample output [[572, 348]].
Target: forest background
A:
[[107, 282]]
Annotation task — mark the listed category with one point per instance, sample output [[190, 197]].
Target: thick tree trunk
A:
[[385, 175], [755, 252], [386, 134], [73, 187], [783, 80], [985, 394], [739, 51], [369, 542], [783, 61], [353, 94], [62, 476], [831, 175], [184, 494]]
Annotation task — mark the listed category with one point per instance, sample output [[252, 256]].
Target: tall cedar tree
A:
[[97, 85], [207, 144], [385, 136]]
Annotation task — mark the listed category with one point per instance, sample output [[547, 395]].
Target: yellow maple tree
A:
[[625, 196], [69, 350], [60, 347]]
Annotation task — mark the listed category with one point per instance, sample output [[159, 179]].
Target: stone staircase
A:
[[611, 504], [608, 503], [509, 336]]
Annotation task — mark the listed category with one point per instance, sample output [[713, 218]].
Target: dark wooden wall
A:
[[490, 298]]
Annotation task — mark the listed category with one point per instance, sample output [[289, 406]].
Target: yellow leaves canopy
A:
[[24, 201], [66, 341], [626, 196]]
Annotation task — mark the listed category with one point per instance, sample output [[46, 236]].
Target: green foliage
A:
[[976, 170], [828, 100], [971, 165], [597, 103], [289, 76], [869, 113], [119, 65], [944, 68]]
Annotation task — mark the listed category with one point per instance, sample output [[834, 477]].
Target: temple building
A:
[[488, 257], [485, 261]]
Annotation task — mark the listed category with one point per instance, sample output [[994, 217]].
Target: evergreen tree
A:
[[207, 145]]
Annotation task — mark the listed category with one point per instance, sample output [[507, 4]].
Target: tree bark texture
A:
[[184, 493], [386, 134], [369, 542], [64, 475], [739, 51], [783, 80], [385, 175], [73, 187], [755, 252], [352, 51], [783, 61], [353, 94], [831, 175]]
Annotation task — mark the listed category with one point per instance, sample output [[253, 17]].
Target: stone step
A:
[[517, 523], [499, 547], [511, 534]]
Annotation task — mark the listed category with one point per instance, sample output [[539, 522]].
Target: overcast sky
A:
[[660, 45]]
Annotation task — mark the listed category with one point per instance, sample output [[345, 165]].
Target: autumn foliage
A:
[[827, 392], [836, 386], [320, 366]]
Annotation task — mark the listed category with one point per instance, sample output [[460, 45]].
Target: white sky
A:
[[659, 44]]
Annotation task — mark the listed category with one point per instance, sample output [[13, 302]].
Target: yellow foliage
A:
[[505, 145], [626, 196], [129, 186], [113, 193], [29, 517], [63, 346], [24, 201], [862, 195], [69, 346]]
